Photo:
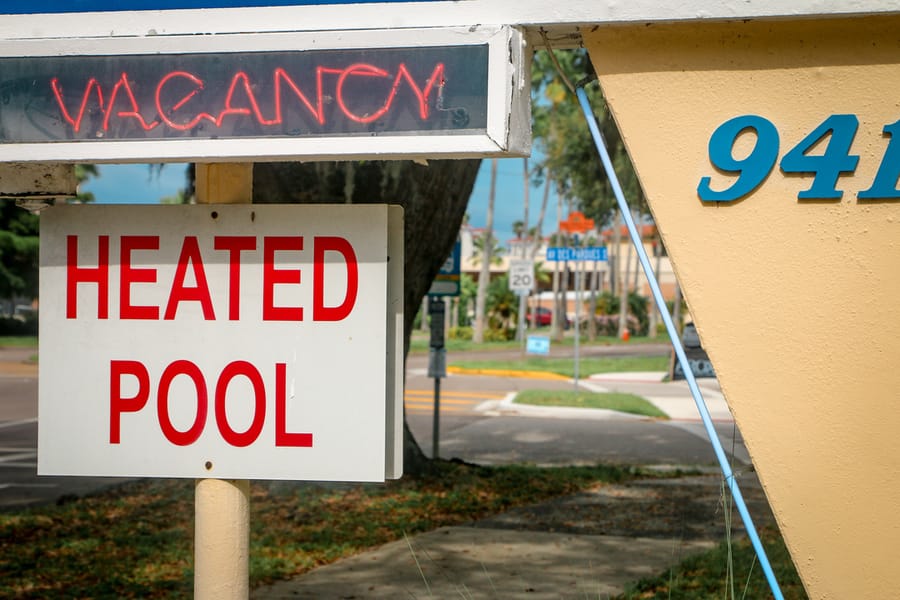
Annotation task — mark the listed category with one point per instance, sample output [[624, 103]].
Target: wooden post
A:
[[222, 507]]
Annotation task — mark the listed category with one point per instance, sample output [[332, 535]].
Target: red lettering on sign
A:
[[234, 244], [118, 404], [190, 253], [98, 275], [76, 122], [340, 245], [129, 275], [134, 113], [273, 276], [181, 438], [178, 116], [283, 437], [166, 115], [232, 370], [120, 369]]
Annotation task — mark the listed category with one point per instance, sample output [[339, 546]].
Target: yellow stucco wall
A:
[[796, 302]]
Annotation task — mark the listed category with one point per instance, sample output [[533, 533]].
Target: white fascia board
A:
[[507, 133], [262, 149], [458, 13]]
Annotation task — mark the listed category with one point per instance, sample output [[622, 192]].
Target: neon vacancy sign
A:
[[330, 101], [361, 92]]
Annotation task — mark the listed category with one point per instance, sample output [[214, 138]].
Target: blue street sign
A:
[[447, 281], [558, 253], [33, 7], [537, 344]]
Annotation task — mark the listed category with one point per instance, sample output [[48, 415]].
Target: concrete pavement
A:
[[591, 545]]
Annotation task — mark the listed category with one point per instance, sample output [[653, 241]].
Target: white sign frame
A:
[[508, 130], [341, 380]]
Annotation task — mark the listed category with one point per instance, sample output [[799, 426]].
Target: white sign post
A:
[[218, 340]]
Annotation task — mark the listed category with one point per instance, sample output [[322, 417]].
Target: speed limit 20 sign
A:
[[521, 276]]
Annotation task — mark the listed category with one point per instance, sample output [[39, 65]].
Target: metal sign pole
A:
[[222, 507], [437, 366]]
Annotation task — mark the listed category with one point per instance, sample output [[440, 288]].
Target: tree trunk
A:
[[654, 314], [434, 199], [484, 277], [621, 279]]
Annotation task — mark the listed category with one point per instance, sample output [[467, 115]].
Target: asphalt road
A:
[[467, 430]]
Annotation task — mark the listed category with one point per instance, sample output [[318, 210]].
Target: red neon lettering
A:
[[133, 113], [322, 245], [232, 370], [283, 438], [165, 115], [273, 276], [129, 275], [251, 107], [118, 404], [98, 275], [366, 71], [181, 438], [190, 253], [231, 110], [317, 111], [76, 122], [234, 245], [422, 96]]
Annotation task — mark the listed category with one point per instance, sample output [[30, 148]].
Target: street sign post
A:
[[164, 292]]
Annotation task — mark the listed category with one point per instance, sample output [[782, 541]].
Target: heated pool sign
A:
[[215, 341]]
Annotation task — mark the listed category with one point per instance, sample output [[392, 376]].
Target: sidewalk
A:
[[590, 545]]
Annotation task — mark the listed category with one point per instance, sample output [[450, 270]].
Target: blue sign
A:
[[537, 344], [558, 253], [446, 283], [33, 7]]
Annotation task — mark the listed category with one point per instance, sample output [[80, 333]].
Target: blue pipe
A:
[[679, 350]]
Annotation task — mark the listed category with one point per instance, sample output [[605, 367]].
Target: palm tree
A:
[[487, 246]]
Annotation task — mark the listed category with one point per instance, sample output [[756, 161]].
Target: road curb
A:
[[508, 373]]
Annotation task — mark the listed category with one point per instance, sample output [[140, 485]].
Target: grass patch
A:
[[136, 541], [566, 367], [18, 341], [704, 576], [628, 403], [419, 342]]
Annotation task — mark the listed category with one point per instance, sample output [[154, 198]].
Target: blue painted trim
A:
[[679, 349], [29, 7]]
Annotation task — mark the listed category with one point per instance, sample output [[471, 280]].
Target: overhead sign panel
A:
[[96, 99], [29, 7], [265, 97], [221, 342]]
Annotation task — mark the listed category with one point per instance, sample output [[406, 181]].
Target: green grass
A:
[[566, 367], [419, 342], [704, 576], [18, 341], [136, 541], [628, 403]]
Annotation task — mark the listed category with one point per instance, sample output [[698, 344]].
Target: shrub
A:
[[499, 335], [10, 326], [459, 333]]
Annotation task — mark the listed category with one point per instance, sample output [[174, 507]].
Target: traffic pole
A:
[[222, 506]]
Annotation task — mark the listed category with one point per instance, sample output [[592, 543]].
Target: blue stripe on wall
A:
[[22, 7]]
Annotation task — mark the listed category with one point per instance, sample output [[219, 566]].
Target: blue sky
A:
[[133, 184]]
